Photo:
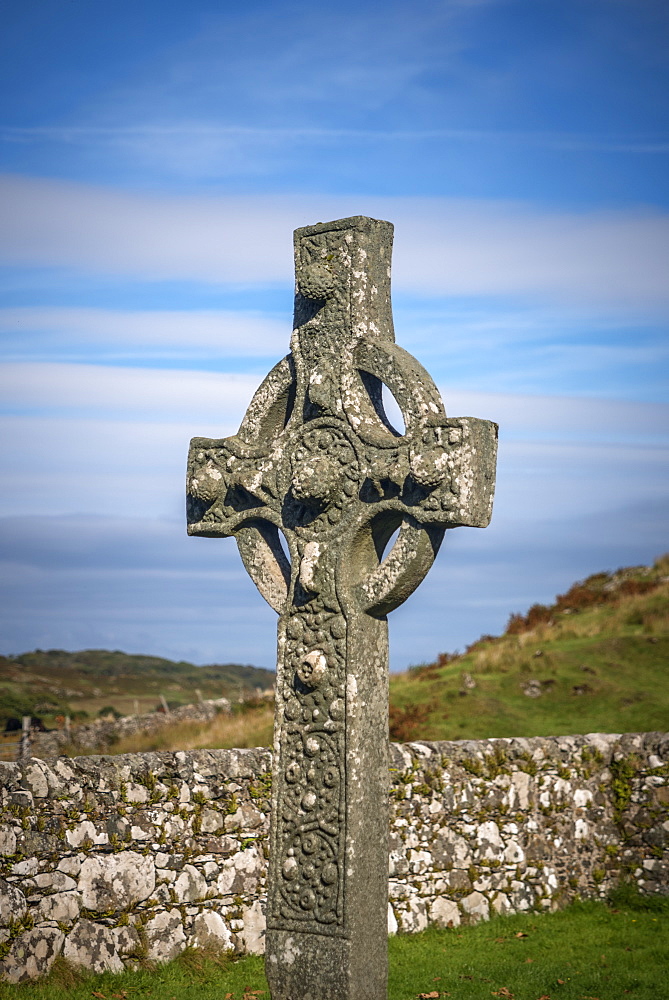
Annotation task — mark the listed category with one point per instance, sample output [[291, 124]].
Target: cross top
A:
[[317, 458], [317, 461]]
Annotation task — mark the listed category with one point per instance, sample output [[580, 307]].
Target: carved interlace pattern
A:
[[308, 850], [323, 474]]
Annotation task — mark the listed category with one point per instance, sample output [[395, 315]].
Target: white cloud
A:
[[219, 399], [443, 246], [114, 441], [126, 392], [184, 332], [129, 578], [61, 466], [561, 418], [537, 350]]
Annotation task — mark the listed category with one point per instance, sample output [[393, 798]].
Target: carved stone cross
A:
[[317, 461]]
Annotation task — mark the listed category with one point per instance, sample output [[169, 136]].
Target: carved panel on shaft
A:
[[307, 856]]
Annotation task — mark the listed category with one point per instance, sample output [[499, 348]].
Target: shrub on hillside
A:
[[601, 588], [110, 712], [405, 723]]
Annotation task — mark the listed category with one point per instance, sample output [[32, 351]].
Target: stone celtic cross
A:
[[317, 467]]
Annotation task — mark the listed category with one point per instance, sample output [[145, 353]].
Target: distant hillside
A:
[[46, 683], [594, 661]]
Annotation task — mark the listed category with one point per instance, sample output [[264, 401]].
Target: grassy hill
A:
[[594, 661], [51, 682]]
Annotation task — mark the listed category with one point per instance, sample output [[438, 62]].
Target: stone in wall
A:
[[165, 936], [116, 882], [108, 860], [93, 946], [32, 954]]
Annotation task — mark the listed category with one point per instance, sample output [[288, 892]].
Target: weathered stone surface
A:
[[244, 818], [211, 931], [444, 912], [211, 821], [116, 882], [56, 881], [317, 461], [252, 936], [241, 872], [476, 907], [71, 866], [62, 907], [85, 833], [190, 886], [12, 903], [127, 941], [93, 946], [7, 840], [32, 954], [36, 780], [165, 936]]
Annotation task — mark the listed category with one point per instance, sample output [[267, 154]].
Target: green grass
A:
[[590, 950]]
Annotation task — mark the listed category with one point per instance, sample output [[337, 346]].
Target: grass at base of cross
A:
[[589, 951]]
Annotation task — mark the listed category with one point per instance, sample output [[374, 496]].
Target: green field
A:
[[589, 951], [594, 661], [47, 683]]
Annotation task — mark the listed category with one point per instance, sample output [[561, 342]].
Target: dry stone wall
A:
[[113, 860], [100, 735]]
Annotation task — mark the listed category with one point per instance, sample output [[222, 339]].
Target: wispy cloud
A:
[[444, 246], [114, 441], [491, 345], [216, 137], [124, 392], [30, 331]]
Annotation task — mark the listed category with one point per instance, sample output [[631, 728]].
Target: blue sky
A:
[[156, 158]]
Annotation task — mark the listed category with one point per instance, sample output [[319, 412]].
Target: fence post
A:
[[24, 745]]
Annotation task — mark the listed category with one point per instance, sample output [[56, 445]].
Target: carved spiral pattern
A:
[[308, 853]]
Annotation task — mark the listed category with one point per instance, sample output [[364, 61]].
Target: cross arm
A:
[[228, 483], [456, 460], [442, 469]]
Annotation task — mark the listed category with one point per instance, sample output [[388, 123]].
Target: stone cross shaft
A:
[[313, 487]]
